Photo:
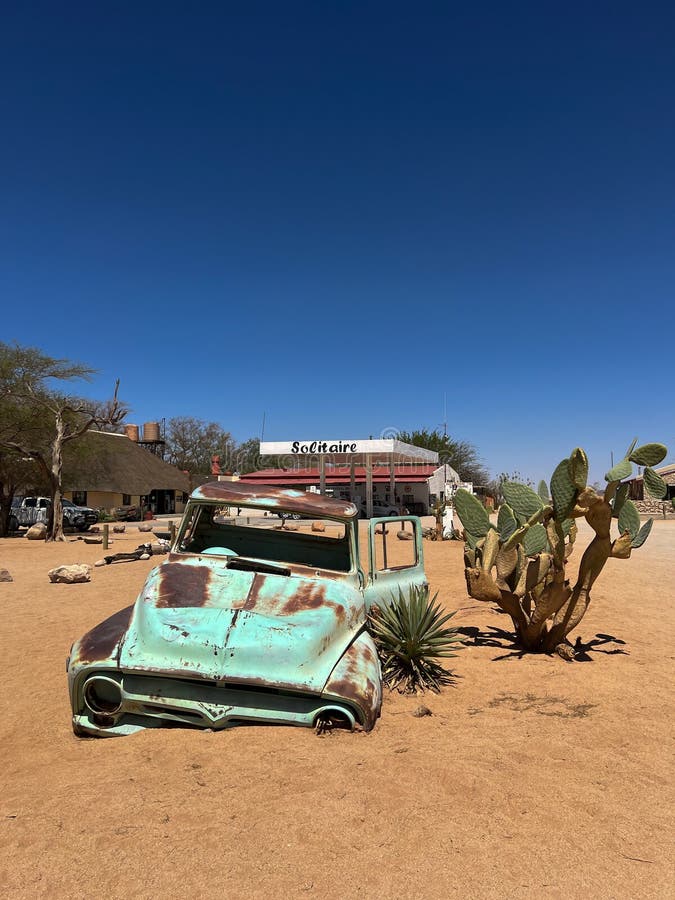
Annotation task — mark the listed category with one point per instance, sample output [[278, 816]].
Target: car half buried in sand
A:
[[248, 619]]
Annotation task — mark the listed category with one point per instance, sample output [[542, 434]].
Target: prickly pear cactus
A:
[[520, 563]]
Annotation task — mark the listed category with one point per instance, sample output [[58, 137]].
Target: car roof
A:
[[267, 496]]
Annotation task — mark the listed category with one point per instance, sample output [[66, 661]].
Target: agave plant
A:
[[411, 635]]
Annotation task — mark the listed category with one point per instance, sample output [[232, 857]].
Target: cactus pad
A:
[[619, 499], [563, 491], [535, 540], [620, 471], [629, 519], [542, 490], [649, 454], [472, 513], [506, 522], [642, 534], [578, 466], [522, 499], [656, 486]]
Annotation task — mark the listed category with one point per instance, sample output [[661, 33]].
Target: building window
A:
[[80, 498], [126, 499]]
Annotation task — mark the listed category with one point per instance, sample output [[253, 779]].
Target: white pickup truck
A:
[[26, 511]]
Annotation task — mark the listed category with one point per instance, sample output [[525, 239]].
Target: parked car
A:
[[126, 513], [81, 517], [26, 511], [381, 510], [244, 622]]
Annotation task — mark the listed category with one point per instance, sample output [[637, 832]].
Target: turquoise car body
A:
[[243, 624]]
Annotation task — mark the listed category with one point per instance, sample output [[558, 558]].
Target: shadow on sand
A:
[[505, 640]]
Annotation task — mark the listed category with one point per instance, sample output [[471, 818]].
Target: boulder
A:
[[37, 532], [405, 535], [119, 529], [95, 529], [421, 711], [318, 526], [5, 576], [145, 526], [70, 574]]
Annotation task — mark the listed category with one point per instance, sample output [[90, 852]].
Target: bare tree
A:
[[25, 378], [191, 443]]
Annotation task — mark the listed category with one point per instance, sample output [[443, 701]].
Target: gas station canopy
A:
[[348, 453]]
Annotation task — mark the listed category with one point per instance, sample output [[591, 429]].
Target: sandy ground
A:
[[533, 778]]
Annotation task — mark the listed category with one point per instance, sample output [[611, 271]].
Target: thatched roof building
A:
[[106, 470]]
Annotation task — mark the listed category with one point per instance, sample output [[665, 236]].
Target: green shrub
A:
[[410, 636]]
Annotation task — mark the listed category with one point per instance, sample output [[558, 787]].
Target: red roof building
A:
[[416, 486]]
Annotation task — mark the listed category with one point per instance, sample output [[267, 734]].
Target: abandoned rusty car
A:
[[248, 619]]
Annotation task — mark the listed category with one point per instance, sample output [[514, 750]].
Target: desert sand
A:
[[533, 777]]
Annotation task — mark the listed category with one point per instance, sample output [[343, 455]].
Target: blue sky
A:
[[336, 213]]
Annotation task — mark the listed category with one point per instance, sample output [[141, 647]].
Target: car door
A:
[[393, 564]]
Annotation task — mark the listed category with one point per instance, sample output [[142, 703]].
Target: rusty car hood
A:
[[198, 618]]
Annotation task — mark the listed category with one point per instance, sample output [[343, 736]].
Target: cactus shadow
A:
[[582, 650], [505, 640], [493, 637]]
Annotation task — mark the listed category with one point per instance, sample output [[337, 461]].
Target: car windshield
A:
[[256, 534]]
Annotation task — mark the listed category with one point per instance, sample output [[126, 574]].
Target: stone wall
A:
[[655, 508]]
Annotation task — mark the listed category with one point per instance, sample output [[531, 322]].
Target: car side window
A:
[[391, 555]]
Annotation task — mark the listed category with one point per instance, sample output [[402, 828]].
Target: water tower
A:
[[152, 439]]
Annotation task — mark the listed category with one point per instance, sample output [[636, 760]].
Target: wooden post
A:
[[322, 474], [172, 531], [106, 529]]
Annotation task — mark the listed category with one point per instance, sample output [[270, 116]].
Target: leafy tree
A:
[[191, 443], [16, 474], [247, 457], [462, 456], [41, 419]]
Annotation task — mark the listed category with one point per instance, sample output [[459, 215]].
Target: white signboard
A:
[[346, 447]]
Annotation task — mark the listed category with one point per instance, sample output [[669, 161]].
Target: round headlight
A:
[[103, 695]]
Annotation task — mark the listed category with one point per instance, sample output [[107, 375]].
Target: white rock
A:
[[37, 532], [70, 574], [144, 556]]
